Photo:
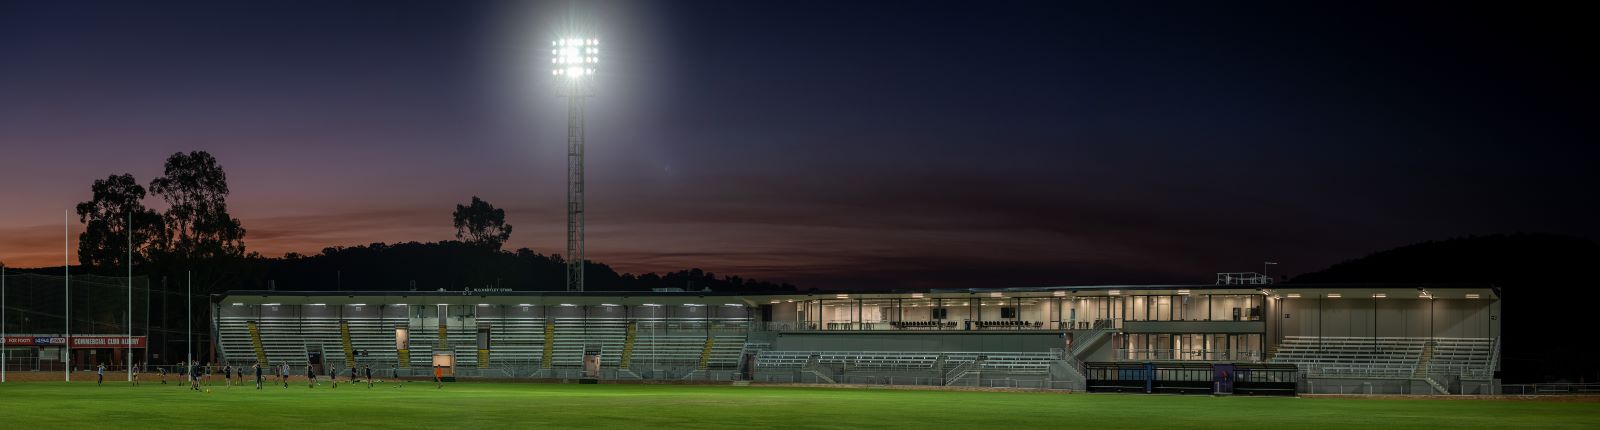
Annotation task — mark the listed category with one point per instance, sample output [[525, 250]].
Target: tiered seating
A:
[[923, 324], [886, 360], [1012, 362], [1462, 356], [515, 341], [1020, 362], [283, 340], [573, 334], [376, 337], [782, 359], [1008, 324], [1394, 357], [233, 337]]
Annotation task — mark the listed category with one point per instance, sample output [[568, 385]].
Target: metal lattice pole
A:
[[575, 135]]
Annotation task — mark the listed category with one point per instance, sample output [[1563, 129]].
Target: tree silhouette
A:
[[198, 224], [480, 223], [104, 241]]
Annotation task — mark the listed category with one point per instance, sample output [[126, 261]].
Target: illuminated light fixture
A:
[[238, 304], [269, 304], [1472, 295], [841, 296], [1183, 292], [358, 304], [1424, 295], [524, 305], [1059, 293], [606, 304], [568, 304], [995, 295], [1294, 295], [1379, 295], [789, 301], [651, 304], [733, 304], [916, 295], [318, 304], [574, 58], [1334, 295], [483, 304], [1114, 292], [402, 304], [774, 302]]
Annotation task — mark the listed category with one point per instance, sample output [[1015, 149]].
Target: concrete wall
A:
[[1389, 317]]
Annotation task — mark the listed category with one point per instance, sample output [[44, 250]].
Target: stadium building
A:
[[1242, 335]]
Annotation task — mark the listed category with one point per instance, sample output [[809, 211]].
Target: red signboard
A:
[[95, 341]]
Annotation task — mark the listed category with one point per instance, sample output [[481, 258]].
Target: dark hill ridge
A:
[[1548, 283]]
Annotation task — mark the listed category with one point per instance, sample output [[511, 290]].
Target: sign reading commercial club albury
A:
[[87, 341]]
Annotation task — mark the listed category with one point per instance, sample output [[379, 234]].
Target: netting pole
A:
[[66, 270], [3, 361], [127, 347]]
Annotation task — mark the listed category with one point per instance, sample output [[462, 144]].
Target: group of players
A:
[[198, 373]]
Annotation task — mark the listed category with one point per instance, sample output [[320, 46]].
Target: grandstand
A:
[[1327, 338]]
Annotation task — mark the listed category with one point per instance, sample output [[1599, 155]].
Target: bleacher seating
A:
[[1385, 357], [1012, 362]]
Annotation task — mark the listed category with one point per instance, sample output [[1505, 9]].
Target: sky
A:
[[843, 144]]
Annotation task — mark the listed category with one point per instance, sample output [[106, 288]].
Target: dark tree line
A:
[[455, 266]]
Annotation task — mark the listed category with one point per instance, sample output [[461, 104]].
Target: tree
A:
[[106, 216], [480, 223], [198, 225]]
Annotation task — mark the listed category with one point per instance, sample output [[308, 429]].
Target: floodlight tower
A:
[[573, 61]]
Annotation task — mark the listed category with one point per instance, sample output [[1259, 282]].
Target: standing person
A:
[[369, 376], [136, 375], [236, 373], [195, 372], [258, 375], [438, 376], [163, 372], [285, 373], [395, 370], [311, 376], [227, 375], [352, 375], [333, 376], [100, 373]]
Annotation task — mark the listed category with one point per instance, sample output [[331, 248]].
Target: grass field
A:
[[503, 405]]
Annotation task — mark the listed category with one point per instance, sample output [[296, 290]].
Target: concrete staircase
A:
[[705, 353], [811, 367], [627, 346], [255, 341], [549, 345], [349, 350]]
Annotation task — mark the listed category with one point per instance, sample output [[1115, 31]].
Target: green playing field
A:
[[29, 405]]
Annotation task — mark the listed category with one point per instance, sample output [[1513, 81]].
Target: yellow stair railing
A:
[[255, 340], [349, 350], [549, 344], [705, 353], [627, 346]]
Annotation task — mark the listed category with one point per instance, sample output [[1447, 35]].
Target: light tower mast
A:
[[573, 61]]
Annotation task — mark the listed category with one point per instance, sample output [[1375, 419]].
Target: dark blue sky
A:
[[830, 144]]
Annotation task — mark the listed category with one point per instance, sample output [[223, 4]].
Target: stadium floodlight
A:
[[573, 61], [1379, 295], [1472, 295], [1334, 295], [1293, 295]]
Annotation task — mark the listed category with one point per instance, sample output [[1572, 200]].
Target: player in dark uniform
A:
[[368, 368], [258, 375], [311, 377], [227, 375]]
